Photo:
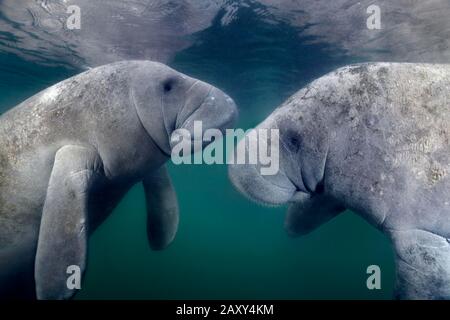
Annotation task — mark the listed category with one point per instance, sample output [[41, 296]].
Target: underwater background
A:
[[226, 247]]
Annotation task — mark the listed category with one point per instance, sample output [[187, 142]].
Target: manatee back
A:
[[33, 131], [66, 111], [388, 126], [401, 110]]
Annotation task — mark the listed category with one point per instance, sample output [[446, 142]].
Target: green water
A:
[[227, 247]]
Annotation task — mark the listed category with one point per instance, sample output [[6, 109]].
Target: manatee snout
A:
[[215, 110], [218, 111], [169, 104], [263, 149]]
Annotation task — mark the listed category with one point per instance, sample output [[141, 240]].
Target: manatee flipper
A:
[[422, 265], [310, 212], [162, 209], [63, 230]]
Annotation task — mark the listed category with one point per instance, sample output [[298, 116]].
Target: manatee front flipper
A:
[[310, 212], [162, 209], [63, 231], [422, 265]]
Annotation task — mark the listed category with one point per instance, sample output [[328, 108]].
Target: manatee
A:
[[71, 152], [373, 138]]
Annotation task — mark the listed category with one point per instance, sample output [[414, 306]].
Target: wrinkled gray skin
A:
[[71, 152], [372, 138]]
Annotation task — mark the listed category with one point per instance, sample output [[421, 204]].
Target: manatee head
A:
[[167, 100], [300, 148]]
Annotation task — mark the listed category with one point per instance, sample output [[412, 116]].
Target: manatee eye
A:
[[168, 85], [292, 141]]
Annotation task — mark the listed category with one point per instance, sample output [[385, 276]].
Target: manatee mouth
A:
[[181, 137], [248, 181], [216, 111], [187, 136]]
